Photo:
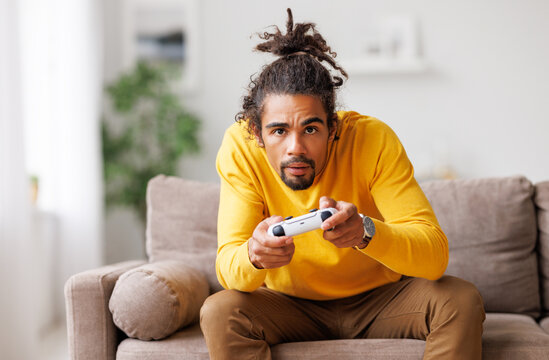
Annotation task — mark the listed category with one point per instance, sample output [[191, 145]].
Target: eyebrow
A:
[[286, 125]]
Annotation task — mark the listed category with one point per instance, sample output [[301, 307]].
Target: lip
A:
[[298, 169]]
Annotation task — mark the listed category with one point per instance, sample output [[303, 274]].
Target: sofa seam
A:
[[103, 318], [71, 304]]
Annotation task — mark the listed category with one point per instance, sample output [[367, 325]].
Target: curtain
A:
[[62, 83], [75, 175], [18, 337], [50, 94]]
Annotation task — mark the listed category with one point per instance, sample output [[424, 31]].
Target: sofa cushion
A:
[[542, 207], [189, 344], [184, 345], [155, 300], [379, 349], [182, 223], [506, 336], [513, 336], [491, 230]]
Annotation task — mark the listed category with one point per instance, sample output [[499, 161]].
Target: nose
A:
[[296, 145]]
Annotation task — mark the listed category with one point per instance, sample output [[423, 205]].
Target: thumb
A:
[[273, 220], [326, 202]]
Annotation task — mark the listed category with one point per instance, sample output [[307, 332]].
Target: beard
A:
[[301, 182]]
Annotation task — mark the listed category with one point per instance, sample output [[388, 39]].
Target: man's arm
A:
[[408, 238], [245, 250], [346, 230], [240, 210]]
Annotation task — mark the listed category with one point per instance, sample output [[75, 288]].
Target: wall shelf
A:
[[384, 66]]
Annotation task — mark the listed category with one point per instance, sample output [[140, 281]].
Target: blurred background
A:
[[465, 85]]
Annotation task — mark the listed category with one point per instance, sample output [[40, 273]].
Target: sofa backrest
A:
[[492, 233], [490, 224], [182, 223]]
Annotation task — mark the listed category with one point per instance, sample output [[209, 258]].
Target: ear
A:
[[257, 135], [333, 127]]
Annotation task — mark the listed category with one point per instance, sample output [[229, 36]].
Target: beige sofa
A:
[[498, 232]]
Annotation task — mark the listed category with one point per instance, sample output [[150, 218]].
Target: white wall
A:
[[481, 106], [483, 100]]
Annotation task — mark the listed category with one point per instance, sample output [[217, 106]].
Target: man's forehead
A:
[[303, 109]]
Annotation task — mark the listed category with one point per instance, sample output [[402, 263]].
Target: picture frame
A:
[[390, 45], [163, 32]]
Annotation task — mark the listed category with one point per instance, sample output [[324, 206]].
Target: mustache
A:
[[297, 159]]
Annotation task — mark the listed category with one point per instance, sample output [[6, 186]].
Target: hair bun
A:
[[300, 39]]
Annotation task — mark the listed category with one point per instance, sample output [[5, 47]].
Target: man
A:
[[374, 269]]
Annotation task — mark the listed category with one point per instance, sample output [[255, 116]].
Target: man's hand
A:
[[346, 223], [269, 252]]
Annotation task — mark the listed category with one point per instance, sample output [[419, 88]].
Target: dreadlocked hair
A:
[[297, 71]]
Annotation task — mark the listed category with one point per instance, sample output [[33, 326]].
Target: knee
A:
[[220, 308], [461, 298]]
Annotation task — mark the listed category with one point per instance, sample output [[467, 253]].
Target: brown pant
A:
[[447, 314]]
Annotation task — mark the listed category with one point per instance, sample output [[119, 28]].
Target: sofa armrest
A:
[[90, 328]]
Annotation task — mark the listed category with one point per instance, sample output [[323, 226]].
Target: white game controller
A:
[[294, 226]]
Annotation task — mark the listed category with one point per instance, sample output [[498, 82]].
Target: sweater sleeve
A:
[[408, 239], [241, 208]]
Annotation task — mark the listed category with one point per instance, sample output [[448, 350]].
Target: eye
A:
[[310, 130], [279, 131]]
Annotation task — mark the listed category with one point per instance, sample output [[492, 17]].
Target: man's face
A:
[[295, 135]]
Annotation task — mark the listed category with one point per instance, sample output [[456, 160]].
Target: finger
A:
[[271, 259], [275, 241], [326, 202], [264, 225], [341, 233], [342, 241], [345, 212], [346, 234], [338, 232], [273, 220], [285, 240], [276, 251], [260, 234]]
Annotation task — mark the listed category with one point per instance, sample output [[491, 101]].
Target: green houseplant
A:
[[147, 132]]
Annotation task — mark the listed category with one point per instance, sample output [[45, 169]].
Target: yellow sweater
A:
[[366, 166]]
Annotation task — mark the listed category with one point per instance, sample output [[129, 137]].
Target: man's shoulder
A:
[[239, 131], [238, 145], [237, 135]]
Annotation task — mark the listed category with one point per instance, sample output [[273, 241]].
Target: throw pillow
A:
[[155, 300]]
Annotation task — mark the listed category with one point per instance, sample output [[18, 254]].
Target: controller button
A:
[[313, 210], [278, 231], [325, 214], [288, 218]]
